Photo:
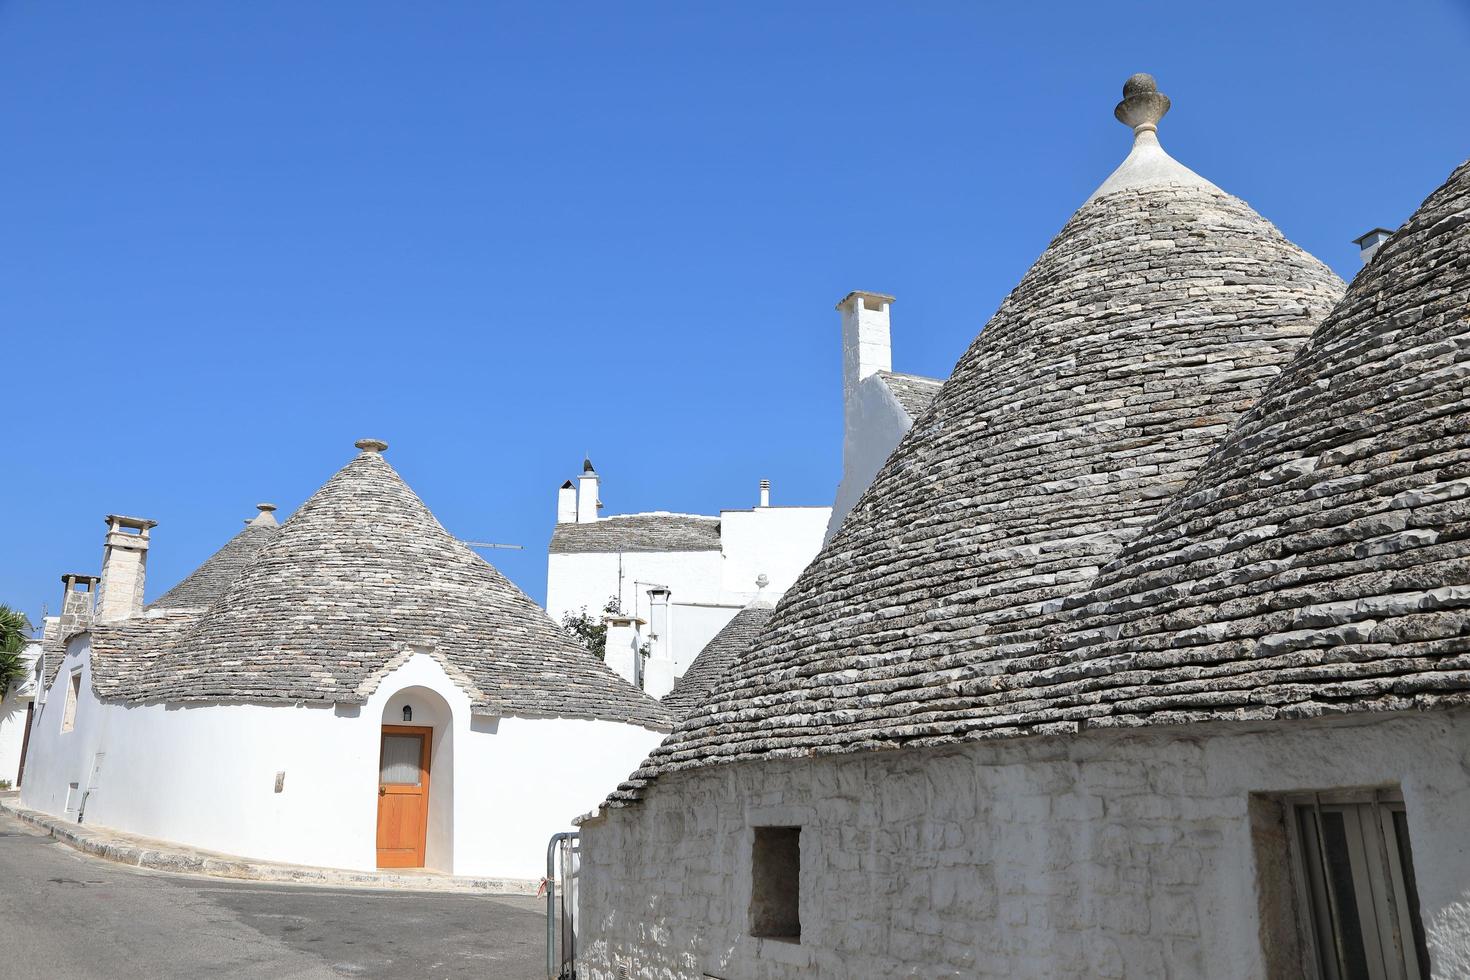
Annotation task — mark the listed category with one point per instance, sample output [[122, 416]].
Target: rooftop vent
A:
[[1368, 243]]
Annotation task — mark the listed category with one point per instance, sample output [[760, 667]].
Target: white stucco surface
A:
[[777, 542], [707, 588], [205, 775], [1125, 855], [586, 580], [874, 422], [694, 627]]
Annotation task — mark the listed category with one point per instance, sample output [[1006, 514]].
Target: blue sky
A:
[[236, 237]]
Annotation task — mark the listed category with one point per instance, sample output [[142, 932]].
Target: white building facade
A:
[[675, 580]]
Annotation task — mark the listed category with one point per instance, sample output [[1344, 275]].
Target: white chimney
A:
[[765, 493], [866, 347], [658, 670], [1368, 243], [587, 502], [623, 640], [124, 567], [566, 504]]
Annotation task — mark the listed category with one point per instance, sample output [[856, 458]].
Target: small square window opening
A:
[[775, 894], [69, 710]]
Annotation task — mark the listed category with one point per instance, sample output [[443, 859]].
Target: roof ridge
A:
[[912, 377]]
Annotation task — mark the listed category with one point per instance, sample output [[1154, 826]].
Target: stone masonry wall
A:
[[1105, 856]]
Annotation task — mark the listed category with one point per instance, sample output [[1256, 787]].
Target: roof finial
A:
[[266, 517], [1143, 104], [371, 445]]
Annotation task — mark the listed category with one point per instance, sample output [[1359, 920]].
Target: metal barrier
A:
[[562, 854]]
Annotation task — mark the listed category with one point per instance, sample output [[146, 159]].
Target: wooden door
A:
[[25, 743], [403, 795]]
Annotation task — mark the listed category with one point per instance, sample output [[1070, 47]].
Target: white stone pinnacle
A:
[[1147, 165]]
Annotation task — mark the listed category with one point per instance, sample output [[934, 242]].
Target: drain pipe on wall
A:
[[553, 972]]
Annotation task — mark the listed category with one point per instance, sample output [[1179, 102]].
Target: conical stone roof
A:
[[1100, 386], [201, 587], [358, 578], [717, 659], [1320, 563]]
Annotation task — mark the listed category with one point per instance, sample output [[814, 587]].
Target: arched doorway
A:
[[416, 782]]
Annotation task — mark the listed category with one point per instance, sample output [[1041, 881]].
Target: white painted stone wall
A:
[[694, 626], [1106, 855], [708, 587], [574, 581], [13, 716], [205, 775], [873, 423], [778, 542]]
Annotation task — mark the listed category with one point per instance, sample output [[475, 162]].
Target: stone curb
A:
[[141, 852]]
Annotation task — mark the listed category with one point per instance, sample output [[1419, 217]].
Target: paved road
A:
[[68, 916]]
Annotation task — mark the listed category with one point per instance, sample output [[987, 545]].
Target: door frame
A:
[[426, 752]]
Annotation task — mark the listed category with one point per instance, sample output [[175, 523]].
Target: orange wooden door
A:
[[403, 795]]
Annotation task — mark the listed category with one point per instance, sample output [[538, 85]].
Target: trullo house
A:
[[1146, 654], [353, 689]]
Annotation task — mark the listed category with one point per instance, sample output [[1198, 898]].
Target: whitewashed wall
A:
[[574, 581], [694, 626], [873, 424], [204, 776], [777, 542], [1099, 856]]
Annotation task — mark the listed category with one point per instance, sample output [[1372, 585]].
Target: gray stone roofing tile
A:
[[361, 574], [638, 532], [913, 391], [1093, 395], [1320, 563], [212, 579], [716, 660]]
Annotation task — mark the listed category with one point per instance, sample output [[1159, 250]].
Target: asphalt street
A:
[[69, 916]]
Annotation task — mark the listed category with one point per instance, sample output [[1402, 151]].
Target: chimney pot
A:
[[765, 493], [587, 495], [866, 345], [1369, 241], [566, 503]]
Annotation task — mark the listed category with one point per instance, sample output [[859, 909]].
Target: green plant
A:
[[15, 630], [589, 630], [4, 785]]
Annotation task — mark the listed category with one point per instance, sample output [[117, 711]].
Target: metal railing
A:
[[561, 958]]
